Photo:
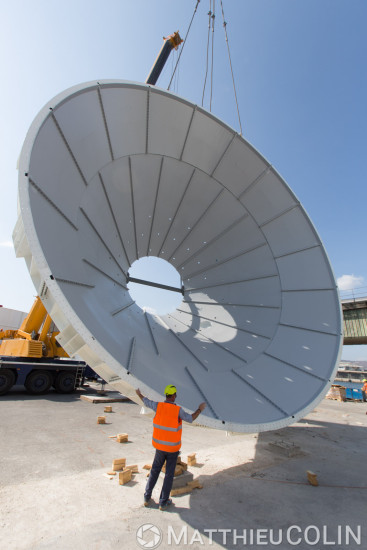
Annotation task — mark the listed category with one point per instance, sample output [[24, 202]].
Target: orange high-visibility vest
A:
[[364, 387], [167, 428]]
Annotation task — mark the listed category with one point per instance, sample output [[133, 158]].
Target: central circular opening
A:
[[154, 299]]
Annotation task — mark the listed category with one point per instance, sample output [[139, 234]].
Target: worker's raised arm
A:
[[200, 408]]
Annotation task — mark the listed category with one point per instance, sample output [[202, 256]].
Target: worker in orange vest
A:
[[167, 428], [364, 390]]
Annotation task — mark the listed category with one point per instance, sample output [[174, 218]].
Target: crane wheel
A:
[[38, 382], [7, 379], [65, 382]]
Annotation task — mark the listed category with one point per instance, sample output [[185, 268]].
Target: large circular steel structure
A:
[[114, 171]]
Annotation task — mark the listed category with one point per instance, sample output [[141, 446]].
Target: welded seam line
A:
[[289, 209], [309, 329], [155, 205], [113, 217], [105, 121], [133, 207], [67, 281], [201, 393], [295, 367], [224, 324], [222, 155], [260, 393], [260, 306], [213, 240], [189, 350], [309, 289], [234, 257], [210, 340], [297, 251], [104, 273], [200, 219], [131, 355], [43, 194], [231, 283], [151, 332], [69, 149], [188, 131], [102, 241], [116, 311], [256, 181], [147, 123], [177, 209]]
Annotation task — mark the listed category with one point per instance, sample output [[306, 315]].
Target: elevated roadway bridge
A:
[[355, 321]]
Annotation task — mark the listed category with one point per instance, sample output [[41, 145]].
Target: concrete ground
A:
[[54, 495]]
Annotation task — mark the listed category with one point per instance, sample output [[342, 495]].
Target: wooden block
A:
[[108, 409], [147, 467], [191, 459], [312, 478], [101, 420], [119, 461], [182, 490], [111, 473], [188, 488], [195, 484], [118, 464], [178, 470], [122, 438], [125, 477], [182, 464], [134, 468]]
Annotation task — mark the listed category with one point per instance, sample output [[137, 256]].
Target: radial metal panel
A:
[[114, 171]]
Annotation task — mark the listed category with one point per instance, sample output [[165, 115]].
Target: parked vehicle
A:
[[31, 356]]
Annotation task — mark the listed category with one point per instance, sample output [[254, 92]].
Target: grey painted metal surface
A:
[[114, 171]]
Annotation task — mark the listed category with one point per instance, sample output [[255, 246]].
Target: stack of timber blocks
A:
[[108, 409], [125, 472], [180, 468], [336, 392], [101, 420], [122, 438]]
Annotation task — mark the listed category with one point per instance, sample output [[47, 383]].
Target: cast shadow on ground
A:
[[271, 490]]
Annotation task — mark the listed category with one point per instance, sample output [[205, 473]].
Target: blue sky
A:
[[301, 85]]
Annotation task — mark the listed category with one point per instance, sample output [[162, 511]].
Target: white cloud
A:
[[349, 282], [7, 244], [150, 310]]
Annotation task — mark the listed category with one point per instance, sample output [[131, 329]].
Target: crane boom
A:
[[170, 43]]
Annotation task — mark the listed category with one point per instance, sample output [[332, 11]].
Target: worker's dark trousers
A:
[[160, 457]]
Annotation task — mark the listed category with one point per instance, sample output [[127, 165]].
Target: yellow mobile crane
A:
[[33, 338], [32, 356]]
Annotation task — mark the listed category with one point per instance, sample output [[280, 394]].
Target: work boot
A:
[[164, 506]]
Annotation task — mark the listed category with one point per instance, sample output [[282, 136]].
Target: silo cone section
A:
[[114, 171]]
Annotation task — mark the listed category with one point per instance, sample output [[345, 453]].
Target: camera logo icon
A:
[[148, 536]]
